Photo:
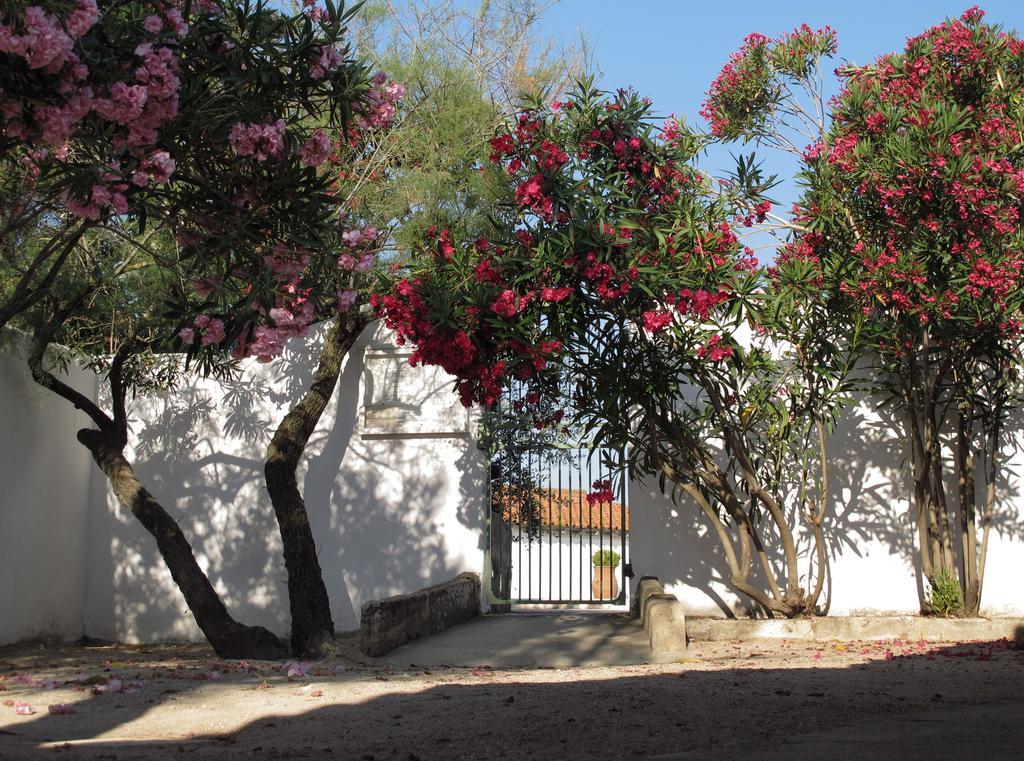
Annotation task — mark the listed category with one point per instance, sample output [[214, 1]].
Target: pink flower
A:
[[365, 263], [298, 669], [160, 166], [83, 18], [345, 300], [153, 24], [315, 151], [261, 141], [555, 294], [187, 336], [124, 104], [177, 23], [214, 333], [714, 350], [327, 61], [44, 43]]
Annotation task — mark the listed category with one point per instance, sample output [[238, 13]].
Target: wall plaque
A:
[[403, 400]]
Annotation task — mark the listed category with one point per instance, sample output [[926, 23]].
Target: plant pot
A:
[[604, 586]]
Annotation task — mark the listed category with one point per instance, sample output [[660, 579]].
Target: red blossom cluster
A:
[[497, 309], [937, 234], [740, 98], [742, 76], [601, 494]]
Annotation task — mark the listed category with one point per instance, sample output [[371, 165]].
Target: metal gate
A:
[[559, 527]]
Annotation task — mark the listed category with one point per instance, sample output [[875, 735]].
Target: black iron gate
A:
[[559, 526]]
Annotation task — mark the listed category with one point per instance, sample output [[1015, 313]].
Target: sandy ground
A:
[[765, 699]]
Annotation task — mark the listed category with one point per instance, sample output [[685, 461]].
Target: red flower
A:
[[656, 320]]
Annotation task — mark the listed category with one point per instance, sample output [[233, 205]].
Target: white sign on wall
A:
[[404, 400]]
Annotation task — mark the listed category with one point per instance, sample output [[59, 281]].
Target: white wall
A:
[[390, 513], [872, 557], [552, 567], [44, 503]]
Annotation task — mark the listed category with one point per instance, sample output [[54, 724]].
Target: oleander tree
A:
[[164, 194], [619, 273], [318, 174], [910, 224]]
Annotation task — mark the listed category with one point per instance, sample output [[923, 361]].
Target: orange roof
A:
[[565, 508]]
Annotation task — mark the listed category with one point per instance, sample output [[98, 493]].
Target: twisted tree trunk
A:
[[312, 625], [106, 443]]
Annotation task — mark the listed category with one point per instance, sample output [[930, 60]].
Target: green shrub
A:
[[946, 599], [607, 558]]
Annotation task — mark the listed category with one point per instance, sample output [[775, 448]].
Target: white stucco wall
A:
[[396, 502], [557, 565], [870, 530], [390, 512], [44, 504]]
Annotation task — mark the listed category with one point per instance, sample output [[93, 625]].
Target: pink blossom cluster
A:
[[355, 261], [743, 71], [46, 44], [380, 102], [261, 141], [315, 151], [602, 492], [292, 314], [291, 318], [346, 299], [295, 309], [287, 267], [210, 328], [158, 76], [109, 194], [141, 105], [714, 350], [327, 61], [158, 169], [656, 319]]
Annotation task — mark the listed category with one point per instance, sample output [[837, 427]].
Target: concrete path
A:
[[538, 639]]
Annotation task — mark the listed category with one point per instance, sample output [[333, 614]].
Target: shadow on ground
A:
[[769, 700], [543, 639]]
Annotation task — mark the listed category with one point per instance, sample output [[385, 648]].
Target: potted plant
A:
[[604, 585]]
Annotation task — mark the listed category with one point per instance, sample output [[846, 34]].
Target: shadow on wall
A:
[[389, 515], [872, 558]]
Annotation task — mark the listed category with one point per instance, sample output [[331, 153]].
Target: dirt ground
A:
[[770, 699]]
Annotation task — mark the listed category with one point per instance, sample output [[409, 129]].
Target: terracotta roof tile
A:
[[567, 508]]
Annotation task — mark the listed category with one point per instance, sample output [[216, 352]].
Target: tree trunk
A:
[[968, 511], [229, 638], [312, 625]]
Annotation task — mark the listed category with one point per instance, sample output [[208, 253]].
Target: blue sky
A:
[[671, 50]]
